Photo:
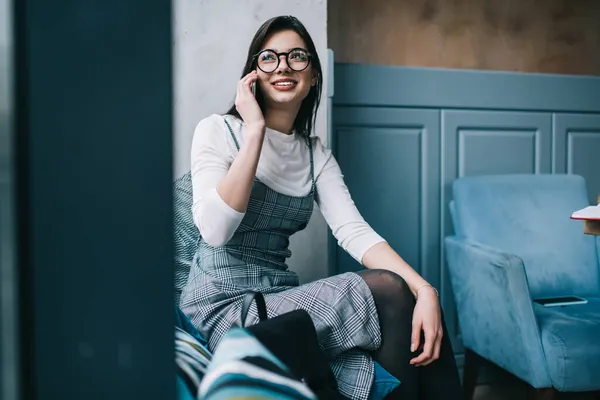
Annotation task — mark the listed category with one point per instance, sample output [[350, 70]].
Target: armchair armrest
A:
[[495, 310]]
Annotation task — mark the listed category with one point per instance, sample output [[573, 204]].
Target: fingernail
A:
[[412, 347]]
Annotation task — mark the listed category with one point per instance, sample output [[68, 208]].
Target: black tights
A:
[[395, 303]]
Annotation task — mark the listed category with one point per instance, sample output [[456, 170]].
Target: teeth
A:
[[284, 83]]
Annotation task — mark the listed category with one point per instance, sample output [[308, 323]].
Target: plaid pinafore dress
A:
[[342, 307]]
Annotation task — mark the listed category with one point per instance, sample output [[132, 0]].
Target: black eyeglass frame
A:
[[286, 54]]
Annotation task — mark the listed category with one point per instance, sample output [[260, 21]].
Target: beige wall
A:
[[555, 36]]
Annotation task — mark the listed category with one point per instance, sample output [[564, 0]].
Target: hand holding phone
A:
[[246, 104]]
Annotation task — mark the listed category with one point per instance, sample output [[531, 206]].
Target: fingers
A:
[[436, 351], [415, 336], [427, 349], [244, 86], [246, 82], [250, 75], [247, 105], [431, 348], [438, 345]]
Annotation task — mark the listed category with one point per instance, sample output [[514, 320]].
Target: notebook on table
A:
[[591, 217]]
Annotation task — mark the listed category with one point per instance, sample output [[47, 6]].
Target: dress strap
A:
[[237, 145], [312, 165]]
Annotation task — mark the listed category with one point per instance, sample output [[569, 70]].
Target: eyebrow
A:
[[285, 51]]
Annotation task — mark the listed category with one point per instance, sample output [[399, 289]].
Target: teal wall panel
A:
[[375, 86], [576, 139], [390, 159], [403, 135]]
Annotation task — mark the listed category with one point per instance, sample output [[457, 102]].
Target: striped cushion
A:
[[242, 367], [192, 359], [192, 356], [185, 233]]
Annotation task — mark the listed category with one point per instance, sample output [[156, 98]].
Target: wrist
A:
[[255, 129], [253, 140], [428, 288]]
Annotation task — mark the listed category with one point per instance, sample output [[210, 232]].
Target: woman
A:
[[256, 172]]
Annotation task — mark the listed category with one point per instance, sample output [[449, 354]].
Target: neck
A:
[[281, 119]]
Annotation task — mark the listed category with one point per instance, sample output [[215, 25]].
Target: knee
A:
[[389, 287]]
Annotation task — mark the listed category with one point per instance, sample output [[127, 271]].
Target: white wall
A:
[[211, 41]]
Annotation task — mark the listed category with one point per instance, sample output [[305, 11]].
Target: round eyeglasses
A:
[[268, 60]]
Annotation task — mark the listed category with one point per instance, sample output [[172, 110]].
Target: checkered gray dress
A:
[[342, 307]]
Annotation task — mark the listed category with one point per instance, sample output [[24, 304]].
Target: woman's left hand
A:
[[427, 317]]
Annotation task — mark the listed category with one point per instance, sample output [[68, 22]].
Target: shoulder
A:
[[323, 156], [210, 124], [212, 136], [318, 147], [214, 129]]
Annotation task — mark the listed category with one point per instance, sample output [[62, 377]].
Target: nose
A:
[[283, 65]]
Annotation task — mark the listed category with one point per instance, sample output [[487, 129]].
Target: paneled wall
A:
[[553, 36], [403, 135]]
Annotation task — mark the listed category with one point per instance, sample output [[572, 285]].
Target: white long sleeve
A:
[[211, 159], [284, 166], [348, 226]]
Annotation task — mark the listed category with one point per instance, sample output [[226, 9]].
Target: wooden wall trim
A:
[[465, 89], [545, 36]]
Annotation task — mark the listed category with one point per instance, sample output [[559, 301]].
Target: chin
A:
[[284, 98]]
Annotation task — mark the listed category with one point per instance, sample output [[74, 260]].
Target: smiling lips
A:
[[284, 84]]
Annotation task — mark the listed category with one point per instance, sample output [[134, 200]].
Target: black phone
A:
[[254, 88], [561, 301]]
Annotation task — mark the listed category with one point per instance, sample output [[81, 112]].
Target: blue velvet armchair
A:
[[514, 242]]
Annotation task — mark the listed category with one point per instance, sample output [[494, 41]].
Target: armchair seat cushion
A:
[[571, 342]]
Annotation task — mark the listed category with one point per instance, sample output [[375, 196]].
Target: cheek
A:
[[307, 81], [263, 82], [263, 79], [309, 87]]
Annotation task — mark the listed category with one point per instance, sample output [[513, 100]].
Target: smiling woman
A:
[[303, 80], [256, 173]]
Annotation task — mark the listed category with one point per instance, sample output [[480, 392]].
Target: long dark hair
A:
[[307, 114]]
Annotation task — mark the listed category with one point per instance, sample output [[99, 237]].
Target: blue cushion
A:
[[529, 216], [192, 356], [571, 341], [383, 383], [183, 391]]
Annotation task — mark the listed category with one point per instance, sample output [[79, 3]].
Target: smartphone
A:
[[561, 301], [254, 88]]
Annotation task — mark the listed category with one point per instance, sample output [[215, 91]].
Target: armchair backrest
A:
[[529, 216]]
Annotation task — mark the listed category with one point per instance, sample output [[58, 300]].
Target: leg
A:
[[395, 304], [441, 379], [470, 374], [544, 394], [345, 318]]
